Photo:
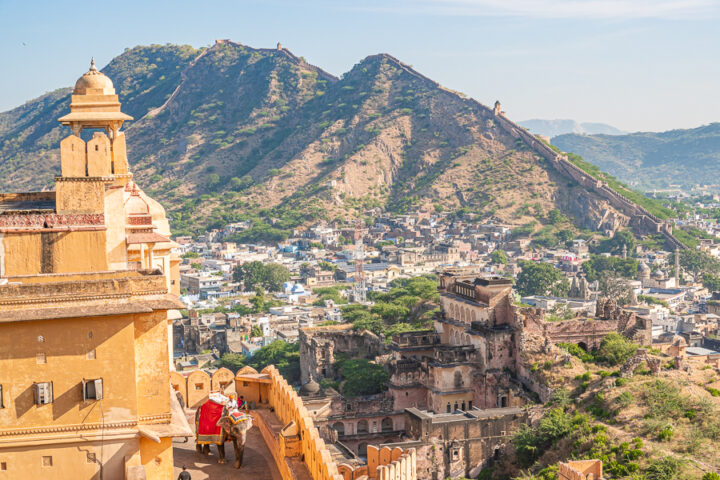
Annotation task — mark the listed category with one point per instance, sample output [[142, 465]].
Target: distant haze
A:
[[553, 128]]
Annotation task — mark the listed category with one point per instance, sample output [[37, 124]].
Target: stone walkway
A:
[[258, 463]]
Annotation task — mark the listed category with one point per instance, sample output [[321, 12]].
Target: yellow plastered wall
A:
[[72, 157], [179, 384], [79, 251], [152, 364], [67, 347], [98, 156], [221, 379], [119, 154], [251, 391], [68, 461], [80, 196], [116, 233], [157, 458], [53, 252], [198, 388]]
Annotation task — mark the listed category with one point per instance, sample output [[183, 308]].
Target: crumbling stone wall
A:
[[320, 345]]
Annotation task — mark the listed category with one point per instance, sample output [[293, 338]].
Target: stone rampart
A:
[[383, 464]]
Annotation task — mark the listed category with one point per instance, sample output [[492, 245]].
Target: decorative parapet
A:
[[298, 441], [384, 464], [289, 408], [50, 222]]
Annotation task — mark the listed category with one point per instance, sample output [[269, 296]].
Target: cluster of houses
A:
[[397, 247]]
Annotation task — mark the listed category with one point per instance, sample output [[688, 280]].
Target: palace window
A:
[[43, 393], [2, 403], [199, 386], [47, 461], [93, 389]]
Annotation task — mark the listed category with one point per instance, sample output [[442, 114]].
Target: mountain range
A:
[[232, 133], [648, 160], [553, 128]]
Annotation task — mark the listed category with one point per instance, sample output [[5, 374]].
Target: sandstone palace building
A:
[[88, 291]]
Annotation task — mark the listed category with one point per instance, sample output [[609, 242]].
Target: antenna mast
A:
[[359, 287]]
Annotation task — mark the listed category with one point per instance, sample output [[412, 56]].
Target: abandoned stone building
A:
[[459, 444], [454, 392], [320, 345]]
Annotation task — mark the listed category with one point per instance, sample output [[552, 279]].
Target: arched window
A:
[[339, 427], [362, 426], [387, 424]]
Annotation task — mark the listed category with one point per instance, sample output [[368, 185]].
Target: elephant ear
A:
[[224, 423]]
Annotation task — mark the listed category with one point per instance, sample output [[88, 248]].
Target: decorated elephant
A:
[[235, 431], [215, 426]]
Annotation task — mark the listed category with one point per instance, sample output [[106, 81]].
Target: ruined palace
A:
[[88, 289], [456, 392]]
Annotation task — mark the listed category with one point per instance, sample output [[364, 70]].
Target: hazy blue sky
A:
[[635, 64]]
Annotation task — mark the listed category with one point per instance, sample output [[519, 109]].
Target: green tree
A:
[[361, 377], [269, 276], [499, 257], [232, 361], [711, 476], [368, 321], [538, 278], [530, 442], [614, 245], [555, 216], [275, 276], [616, 288], [239, 184], [285, 356], [390, 312], [697, 262], [712, 283], [212, 181], [256, 331], [616, 266]]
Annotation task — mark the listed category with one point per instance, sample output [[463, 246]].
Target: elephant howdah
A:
[[207, 430]]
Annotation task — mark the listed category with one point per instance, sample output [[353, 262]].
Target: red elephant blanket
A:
[[206, 428]]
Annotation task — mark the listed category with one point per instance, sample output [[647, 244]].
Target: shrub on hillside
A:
[[615, 349]]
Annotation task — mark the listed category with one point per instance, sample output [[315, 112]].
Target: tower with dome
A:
[[88, 290]]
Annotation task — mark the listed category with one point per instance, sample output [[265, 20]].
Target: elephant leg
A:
[[221, 453], [198, 448], [206, 449], [239, 451]]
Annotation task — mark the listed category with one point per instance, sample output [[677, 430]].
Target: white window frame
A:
[[96, 385], [43, 393]]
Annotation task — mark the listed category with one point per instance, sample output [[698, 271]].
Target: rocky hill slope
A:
[[652, 160], [232, 132]]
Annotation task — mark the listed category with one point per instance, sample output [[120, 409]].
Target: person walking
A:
[[184, 475]]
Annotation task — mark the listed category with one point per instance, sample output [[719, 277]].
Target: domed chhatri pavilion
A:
[[88, 290]]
